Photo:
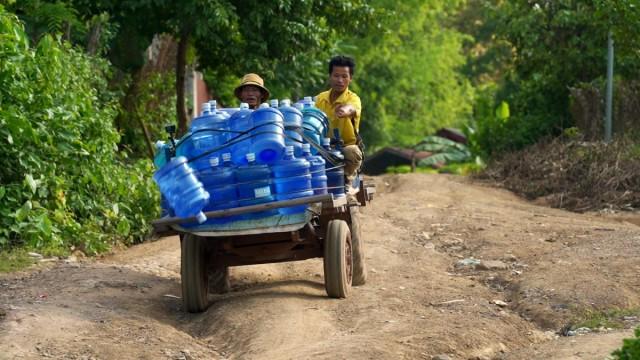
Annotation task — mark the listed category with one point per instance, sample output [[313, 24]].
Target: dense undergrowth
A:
[[63, 185], [573, 174]]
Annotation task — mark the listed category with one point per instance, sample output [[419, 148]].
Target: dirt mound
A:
[[574, 175]]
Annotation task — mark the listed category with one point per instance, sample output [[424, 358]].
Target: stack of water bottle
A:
[[239, 157]]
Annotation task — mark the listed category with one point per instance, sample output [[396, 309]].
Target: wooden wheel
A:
[[193, 273], [338, 264], [359, 265]]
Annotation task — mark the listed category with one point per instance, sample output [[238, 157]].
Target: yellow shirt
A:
[[344, 125]]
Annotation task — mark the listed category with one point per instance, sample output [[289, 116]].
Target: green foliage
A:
[[444, 151], [630, 348], [14, 260], [462, 169], [543, 48], [408, 73], [609, 318], [152, 106], [399, 169], [62, 183]]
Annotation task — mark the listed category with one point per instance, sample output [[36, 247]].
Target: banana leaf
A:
[[445, 158], [437, 144]]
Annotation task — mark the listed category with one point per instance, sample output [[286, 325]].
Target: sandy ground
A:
[[427, 297]]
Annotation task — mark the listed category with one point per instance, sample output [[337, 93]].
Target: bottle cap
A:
[[289, 150], [251, 157], [273, 103], [206, 108], [214, 161], [306, 148], [263, 105], [244, 106], [201, 217], [285, 102], [226, 157], [326, 141], [299, 106], [213, 104]]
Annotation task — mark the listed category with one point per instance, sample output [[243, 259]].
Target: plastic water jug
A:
[[208, 132], [219, 182], [291, 179], [181, 188], [254, 187], [315, 125], [162, 154], [267, 135], [229, 111], [239, 123], [292, 124], [317, 170], [335, 173]]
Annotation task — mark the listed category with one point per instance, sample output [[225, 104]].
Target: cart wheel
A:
[[218, 279], [193, 273], [337, 259], [359, 264]]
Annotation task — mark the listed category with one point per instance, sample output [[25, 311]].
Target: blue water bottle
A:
[[292, 124], [317, 170], [182, 190], [254, 187], [267, 136], [219, 181], [162, 154], [335, 172], [240, 124], [315, 125], [209, 131], [291, 180]]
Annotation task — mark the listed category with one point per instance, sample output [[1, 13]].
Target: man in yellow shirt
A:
[[343, 108]]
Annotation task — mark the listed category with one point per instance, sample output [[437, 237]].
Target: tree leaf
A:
[[44, 225], [32, 183], [123, 227]]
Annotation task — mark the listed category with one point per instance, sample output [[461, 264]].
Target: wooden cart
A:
[[329, 229]]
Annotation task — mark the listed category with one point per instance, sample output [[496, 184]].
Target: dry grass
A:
[[574, 175]]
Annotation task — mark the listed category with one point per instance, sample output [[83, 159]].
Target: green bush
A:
[[630, 348], [62, 183]]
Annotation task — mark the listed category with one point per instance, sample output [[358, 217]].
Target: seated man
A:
[[343, 108], [252, 91]]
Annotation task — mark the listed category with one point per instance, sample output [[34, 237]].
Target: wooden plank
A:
[[324, 198]]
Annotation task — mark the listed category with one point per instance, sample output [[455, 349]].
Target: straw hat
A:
[[255, 80]]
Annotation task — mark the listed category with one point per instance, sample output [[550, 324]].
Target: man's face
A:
[[251, 95], [340, 78]]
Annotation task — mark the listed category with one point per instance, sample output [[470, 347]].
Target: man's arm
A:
[[346, 110]]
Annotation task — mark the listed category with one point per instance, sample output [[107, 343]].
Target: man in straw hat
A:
[[252, 91]]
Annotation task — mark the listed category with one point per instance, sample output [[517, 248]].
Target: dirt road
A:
[[457, 270]]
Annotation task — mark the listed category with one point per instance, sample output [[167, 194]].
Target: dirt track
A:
[[546, 265]]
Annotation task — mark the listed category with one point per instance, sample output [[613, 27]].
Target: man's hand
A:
[[345, 110]]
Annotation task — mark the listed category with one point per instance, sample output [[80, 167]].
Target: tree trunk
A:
[[94, 38], [147, 137], [181, 64]]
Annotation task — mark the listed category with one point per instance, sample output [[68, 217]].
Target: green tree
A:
[[62, 184], [408, 73], [554, 45]]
